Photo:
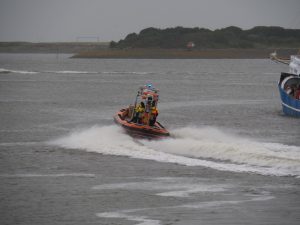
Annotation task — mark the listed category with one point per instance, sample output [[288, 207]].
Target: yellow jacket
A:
[[139, 109]]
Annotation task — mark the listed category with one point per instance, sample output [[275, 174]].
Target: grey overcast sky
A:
[[66, 20]]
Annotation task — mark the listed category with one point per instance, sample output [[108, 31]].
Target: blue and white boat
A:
[[289, 87]]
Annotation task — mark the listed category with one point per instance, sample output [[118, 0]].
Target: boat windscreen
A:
[[290, 81]]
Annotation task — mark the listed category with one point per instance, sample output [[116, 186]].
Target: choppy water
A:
[[232, 152]]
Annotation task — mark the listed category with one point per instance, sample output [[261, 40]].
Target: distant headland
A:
[[178, 42], [201, 38]]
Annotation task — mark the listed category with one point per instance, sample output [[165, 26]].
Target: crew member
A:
[[154, 114], [297, 92], [138, 113]]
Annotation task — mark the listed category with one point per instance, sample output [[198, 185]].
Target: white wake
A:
[[204, 146], [2, 70]]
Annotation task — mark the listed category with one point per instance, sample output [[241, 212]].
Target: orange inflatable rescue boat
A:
[[139, 120]]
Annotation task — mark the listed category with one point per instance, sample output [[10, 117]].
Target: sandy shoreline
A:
[[179, 53], [51, 47]]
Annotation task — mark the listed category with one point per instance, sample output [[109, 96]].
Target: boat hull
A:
[[290, 105], [156, 131]]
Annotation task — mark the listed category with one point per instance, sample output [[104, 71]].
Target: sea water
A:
[[232, 157]]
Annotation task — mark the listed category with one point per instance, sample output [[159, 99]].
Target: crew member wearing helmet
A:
[[138, 113], [154, 114]]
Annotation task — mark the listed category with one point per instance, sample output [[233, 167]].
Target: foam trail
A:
[[34, 175], [9, 144], [167, 186], [126, 214], [214, 204], [101, 72], [206, 146], [143, 220], [71, 72], [212, 143], [127, 72], [2, 70]]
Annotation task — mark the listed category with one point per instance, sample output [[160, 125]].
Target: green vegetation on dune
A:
[[230, 37]]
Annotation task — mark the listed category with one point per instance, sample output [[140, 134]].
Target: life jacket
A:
[[139, 109], [154, 111]]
